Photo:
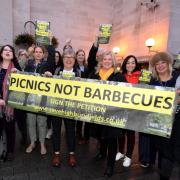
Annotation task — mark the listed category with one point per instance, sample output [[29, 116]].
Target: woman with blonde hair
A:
[[163, 75], [106, 135]]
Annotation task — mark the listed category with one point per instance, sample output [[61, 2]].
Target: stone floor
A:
[[36, 167]]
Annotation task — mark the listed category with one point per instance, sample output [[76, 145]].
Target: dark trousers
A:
[[70, 133], [9, 127], [49, 122], [130, 142], [144, 148], [108, 147], [162, 146], [175, 138], [112, 150], [20, 118], [79, 132]]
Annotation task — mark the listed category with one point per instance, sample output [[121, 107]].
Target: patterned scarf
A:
[[8, 111], [104, 74]]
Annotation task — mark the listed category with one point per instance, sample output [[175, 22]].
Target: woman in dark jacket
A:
[[131, 71], [108, 135], [38, 65], [81, 66], [163, 76], [70, 71], [57, 66], [8, 63]]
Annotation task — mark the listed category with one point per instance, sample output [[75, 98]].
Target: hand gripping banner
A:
[[143, 108]]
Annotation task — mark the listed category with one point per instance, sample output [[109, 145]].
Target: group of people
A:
[[100, 65]]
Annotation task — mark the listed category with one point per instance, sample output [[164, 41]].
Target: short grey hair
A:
[[69, 51]]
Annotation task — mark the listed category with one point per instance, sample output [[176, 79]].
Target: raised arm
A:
[[92, 63]]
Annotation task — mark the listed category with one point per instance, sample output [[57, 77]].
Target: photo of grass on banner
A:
[[140, 107]]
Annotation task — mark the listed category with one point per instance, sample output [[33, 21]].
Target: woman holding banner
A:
[[131, 71], [81, 66], [8, 64], [38, 65], [162, 76], [57, 66], [108, 140], [67, 71]]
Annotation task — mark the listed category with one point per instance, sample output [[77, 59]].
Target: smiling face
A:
[[130, 65], [7, 53], [107, 62], [162, 67], [68, 61], [80, 57]]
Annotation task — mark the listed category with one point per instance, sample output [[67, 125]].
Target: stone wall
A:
[[79, 20], [135, 23], [6, 21], [75, 19], [174, 28]]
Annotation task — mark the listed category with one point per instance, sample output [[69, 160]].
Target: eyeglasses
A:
[[68, 57], [7, 50]]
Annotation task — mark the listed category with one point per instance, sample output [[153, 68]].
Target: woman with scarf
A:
[[107, 135], [131, 71], [8, 64]]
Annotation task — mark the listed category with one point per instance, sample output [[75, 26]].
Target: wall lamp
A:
[[116, 50], [150, 43]]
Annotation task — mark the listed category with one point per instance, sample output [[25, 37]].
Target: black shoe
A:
[[145, 165], [109, 171], [164, 178], [10, 157], [99, 157], [23, 142], [3, 156]]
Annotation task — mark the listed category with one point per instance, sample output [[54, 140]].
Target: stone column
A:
[[6, 19]]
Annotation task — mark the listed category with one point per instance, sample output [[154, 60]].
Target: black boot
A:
[[164, 178], [109, 171], [99, 157]]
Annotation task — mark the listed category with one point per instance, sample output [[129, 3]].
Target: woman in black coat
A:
[[105, 70], [8, 63], [81, 66], [68, 70]]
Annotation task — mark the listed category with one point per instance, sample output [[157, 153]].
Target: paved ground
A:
[[35, 167]]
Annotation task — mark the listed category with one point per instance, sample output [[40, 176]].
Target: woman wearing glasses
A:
[[68, 70]]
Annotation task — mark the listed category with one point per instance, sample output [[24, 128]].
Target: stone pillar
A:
[[174, 28], [6, 19], [21, 14]]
